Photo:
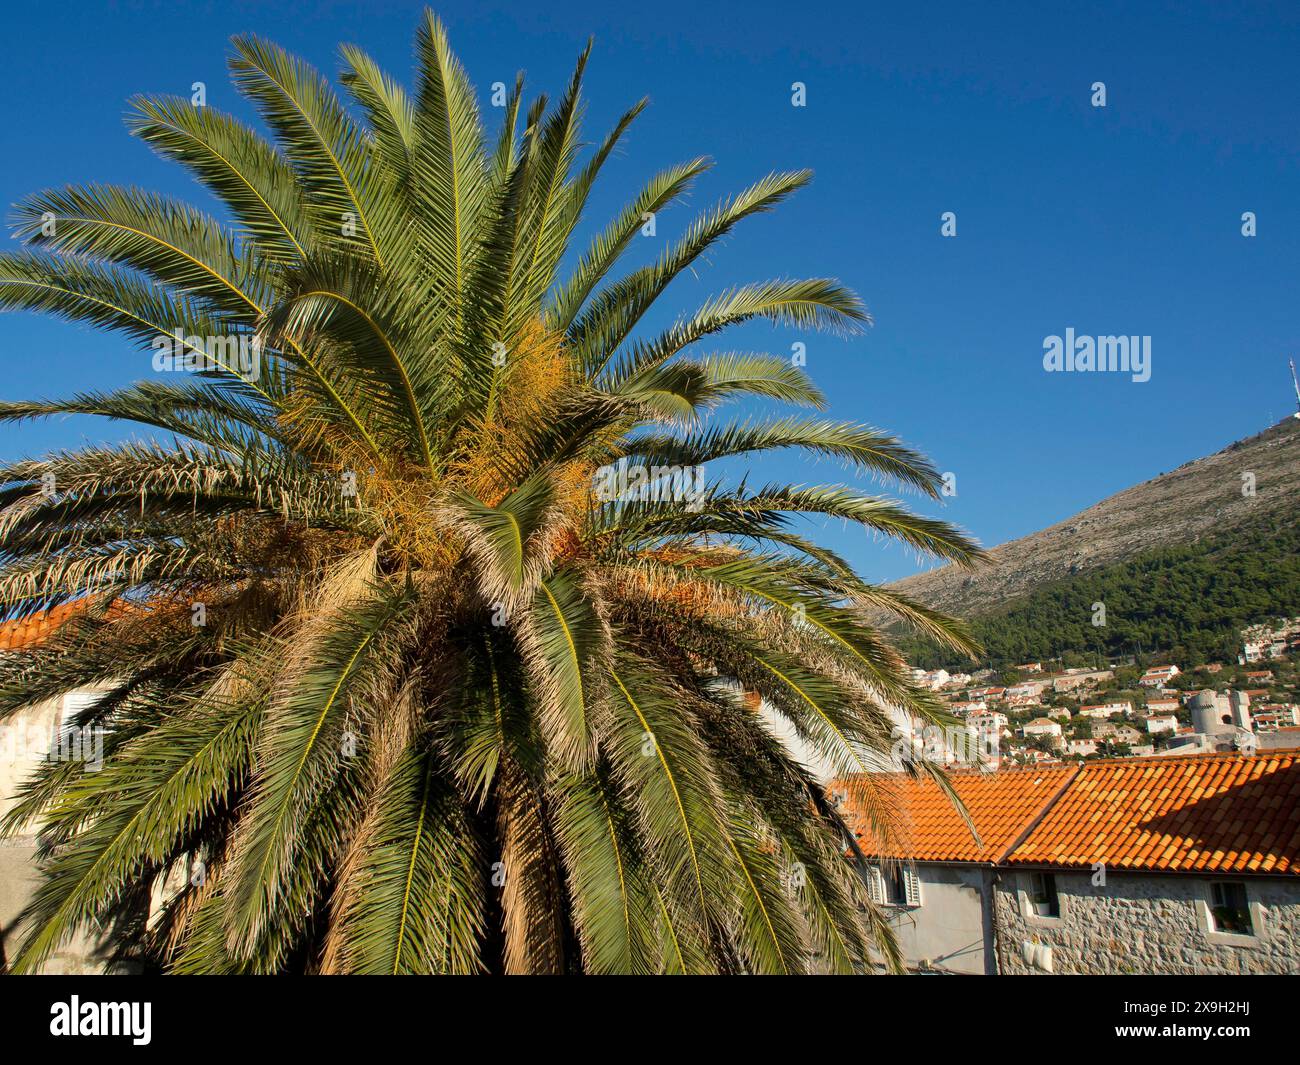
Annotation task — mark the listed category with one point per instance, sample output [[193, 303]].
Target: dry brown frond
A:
[[536, 373]]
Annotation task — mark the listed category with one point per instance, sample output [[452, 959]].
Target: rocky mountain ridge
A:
[[1211, 494]]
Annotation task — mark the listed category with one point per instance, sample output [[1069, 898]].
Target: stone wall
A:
[[1144, 924]]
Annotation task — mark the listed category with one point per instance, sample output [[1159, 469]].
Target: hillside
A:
[[1189, 602], [1200, 499]]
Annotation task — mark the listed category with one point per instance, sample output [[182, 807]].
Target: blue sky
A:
[[1117, 220]]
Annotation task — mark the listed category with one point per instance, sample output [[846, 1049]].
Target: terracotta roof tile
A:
[[930, 829], [1209, 813], [28, 632], [1223, 813], [22, 633]]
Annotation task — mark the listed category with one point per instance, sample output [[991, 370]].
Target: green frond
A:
[[160, 787], [564, 641], [610, 244], [328, 152], [615, 311], [449, 176], [670, 786], [682, 390], [818, 303], [503, 539], [299, 751], [412, 900], [863, 447], [253, 180], [111, 298], [328, 308], [160, 237], [389, 112], [215, 415], [613, 898], [547, 212]]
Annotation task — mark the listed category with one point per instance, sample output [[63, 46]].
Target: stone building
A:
[[1164, 865], [1073, 680], [934, 878]]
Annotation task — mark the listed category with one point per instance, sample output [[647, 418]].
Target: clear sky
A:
[[1117, 220]]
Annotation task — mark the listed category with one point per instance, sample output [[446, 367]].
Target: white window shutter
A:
[[875, 884], [912, 885]]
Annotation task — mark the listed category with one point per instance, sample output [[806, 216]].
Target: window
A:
[[875, 884], [908, 887], [1042, 895], [1229, 910], [897, 886]]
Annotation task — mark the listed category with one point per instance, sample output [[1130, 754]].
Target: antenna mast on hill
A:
[[1297, 387]]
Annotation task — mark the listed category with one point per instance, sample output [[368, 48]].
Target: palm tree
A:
[[426, 640]]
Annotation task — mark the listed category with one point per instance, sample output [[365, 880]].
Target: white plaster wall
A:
[[26, 739], [948, 931]]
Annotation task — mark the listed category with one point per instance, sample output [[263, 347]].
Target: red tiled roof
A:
[[28, 632], [931, 829], [22, 633], [1204, 813], [1221, 813]]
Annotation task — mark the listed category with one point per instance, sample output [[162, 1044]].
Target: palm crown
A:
[[425, 642]]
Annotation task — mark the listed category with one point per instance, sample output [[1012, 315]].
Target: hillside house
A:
[[1075, 680], [1107, 730], [934, 680], [941, 908], [1158, 676], [1043, 727], [1262, 642], [1269, 717], [988, 721], [1104, 710]]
